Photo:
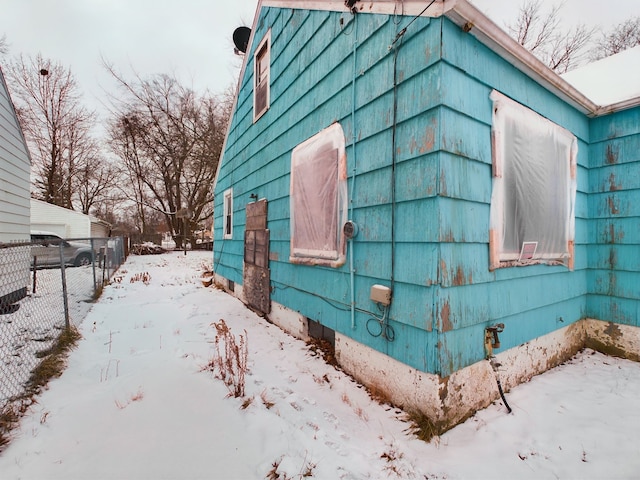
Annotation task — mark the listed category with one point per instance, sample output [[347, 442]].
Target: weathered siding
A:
[[14, 173], [531, 301], [98, 229], [419, 163], [614, 256], [14, 201], [313, 76]]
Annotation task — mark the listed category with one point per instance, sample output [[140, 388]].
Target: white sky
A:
[[590, 12], [135, 403], [191, 38]]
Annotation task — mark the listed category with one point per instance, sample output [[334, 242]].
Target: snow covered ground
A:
[[33, 328], [136, 403]]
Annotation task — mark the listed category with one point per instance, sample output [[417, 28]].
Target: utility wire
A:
[[404, 30]]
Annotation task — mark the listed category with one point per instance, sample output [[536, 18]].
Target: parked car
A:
[[45, 250]]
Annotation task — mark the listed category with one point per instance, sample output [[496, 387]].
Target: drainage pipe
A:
[[355, 165], [492, 341], [494, 367]]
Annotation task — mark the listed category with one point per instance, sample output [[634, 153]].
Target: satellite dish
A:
[[241, 38]]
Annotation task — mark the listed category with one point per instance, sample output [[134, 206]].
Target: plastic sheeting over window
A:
[[319, 199], [534, 187]]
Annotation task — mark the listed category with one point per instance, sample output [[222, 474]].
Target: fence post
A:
[[35, 269], [93, 267], [64, 286], [104, 264]]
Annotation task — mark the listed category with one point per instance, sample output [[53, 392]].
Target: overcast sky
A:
[[188, 38], [603, 14]]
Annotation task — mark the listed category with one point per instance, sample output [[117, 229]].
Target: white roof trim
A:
[[488, 33], [389, 7], [462, 13]]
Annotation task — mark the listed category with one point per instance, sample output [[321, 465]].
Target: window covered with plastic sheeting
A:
[[319, 199], [534, 188]]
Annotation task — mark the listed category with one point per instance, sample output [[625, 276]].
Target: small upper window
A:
[[261, 70], [228, 213], [319, 199], [534, 188]]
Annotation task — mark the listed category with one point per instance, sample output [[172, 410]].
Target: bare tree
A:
[[124, 140], [542, 34], [94, 182], [4, 46], [57, 127], [169, 141], [622, 37]]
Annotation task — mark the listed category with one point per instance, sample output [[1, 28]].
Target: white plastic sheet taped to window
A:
[[534, 186], [319, 199]]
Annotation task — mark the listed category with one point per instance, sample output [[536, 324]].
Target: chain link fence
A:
[[46, 285]]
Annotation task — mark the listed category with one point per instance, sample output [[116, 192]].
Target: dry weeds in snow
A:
[[306, 471], [265, 401], [143, 277], [136, 397], [53, 363], [229, 362]]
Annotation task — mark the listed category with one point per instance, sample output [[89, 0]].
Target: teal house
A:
[[405, 181]]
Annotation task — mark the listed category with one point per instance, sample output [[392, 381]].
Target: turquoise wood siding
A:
[[614, 257], [420, 177], [531, 301], [313, 75]]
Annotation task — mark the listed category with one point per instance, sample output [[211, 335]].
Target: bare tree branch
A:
[[533, 31], [542, 34], [622, 37], [567, 49], [4, 46]]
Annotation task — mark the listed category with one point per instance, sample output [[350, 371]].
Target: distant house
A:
[[408, 182], [66, 223], [15, 165]]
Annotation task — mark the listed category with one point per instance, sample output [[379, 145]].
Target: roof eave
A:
[[466, 16], [618, 106]]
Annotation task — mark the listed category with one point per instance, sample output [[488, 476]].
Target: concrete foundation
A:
[[448, 401]]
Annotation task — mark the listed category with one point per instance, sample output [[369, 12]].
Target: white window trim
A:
[[227, 211], [266, 41], [498, 257]]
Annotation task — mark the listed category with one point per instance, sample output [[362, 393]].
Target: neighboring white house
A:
[[66, 223], [15, 165]]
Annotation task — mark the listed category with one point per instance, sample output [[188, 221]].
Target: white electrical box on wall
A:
[[381, 294]]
